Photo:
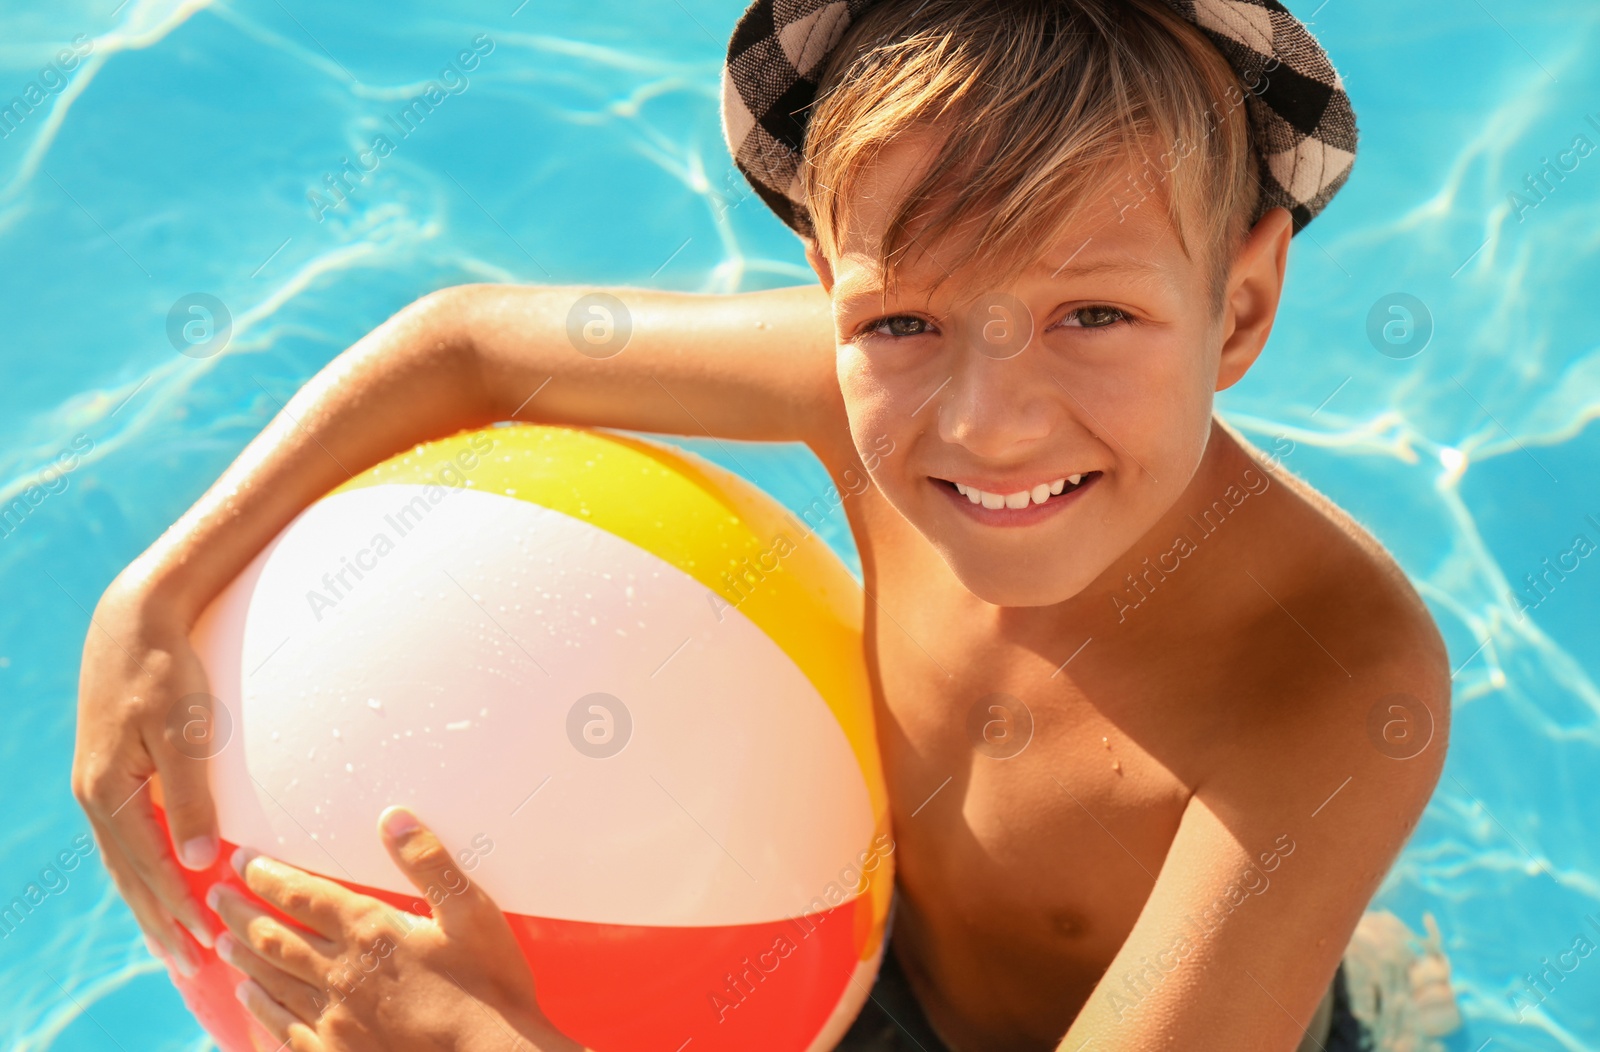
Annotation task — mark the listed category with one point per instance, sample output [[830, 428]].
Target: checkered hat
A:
[[1301, 120]]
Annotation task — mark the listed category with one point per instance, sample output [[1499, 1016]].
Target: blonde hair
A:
[[1036, 107]]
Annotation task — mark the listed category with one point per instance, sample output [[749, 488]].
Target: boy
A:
[[1127, 672]]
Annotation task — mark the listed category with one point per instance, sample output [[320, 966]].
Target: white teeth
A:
[[1020, 499]]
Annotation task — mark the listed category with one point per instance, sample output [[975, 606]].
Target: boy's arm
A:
[[459, 358], [1275, 859], [756, 366], [748, 366]]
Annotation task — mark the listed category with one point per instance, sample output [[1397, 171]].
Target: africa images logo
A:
[[452, 80]]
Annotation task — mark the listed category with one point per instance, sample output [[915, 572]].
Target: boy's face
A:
[[1099, 363]]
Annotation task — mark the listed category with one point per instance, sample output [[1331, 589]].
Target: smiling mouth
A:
[[1042, 494]]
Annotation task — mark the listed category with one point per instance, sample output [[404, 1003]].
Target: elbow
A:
[[460, 329], [439, 316], [435, 332]]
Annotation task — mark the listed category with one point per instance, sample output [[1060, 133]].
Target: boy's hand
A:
[[139, 673], [363, 976]]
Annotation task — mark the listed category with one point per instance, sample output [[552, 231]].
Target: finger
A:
[[460, 907], [279, 1021], [161, 932], [302, 954], [304, 1001], [187, 740], [319, 904], [121, 811]]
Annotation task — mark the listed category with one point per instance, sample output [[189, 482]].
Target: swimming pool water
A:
[[173, 151]]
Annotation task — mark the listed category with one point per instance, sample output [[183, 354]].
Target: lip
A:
[[1016, 516]]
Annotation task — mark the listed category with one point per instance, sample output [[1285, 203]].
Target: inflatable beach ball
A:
[[623, 685]]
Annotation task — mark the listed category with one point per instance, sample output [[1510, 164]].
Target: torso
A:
[[1020, 877]]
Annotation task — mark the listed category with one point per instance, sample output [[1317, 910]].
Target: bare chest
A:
[[1029, 825], [1012, 791]]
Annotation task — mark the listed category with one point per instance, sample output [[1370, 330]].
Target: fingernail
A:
[[185, 964], [241, 858], [239, 991], [213, 896], [155, 949], [201, 934], [225, 947], [398, 822], [198, 852]]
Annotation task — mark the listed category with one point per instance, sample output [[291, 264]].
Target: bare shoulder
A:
[[1367, 599], [1357, 684]]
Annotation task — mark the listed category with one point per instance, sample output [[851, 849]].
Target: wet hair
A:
[[1036, 110]]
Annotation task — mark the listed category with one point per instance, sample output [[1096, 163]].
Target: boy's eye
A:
[[898, 325], [1096, 316]]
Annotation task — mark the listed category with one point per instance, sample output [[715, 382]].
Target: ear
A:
[[819, 263], [1250, 304]]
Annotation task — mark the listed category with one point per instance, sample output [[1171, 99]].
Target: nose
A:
[[998, 408]]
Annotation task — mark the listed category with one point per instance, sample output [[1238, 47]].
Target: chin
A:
[[1022, 582]]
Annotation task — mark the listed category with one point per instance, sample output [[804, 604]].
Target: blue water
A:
[[177, 157]]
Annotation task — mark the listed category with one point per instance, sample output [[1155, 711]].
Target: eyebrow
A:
[[849, 293], [1116, 265]]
